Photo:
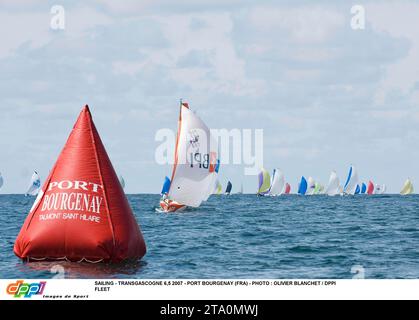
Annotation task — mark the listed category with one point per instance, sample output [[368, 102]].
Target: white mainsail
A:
[[379, 189], [332, 188], [311, 185], [407, 188], [351, 181], [196, 161], [34, 185], [277, 183]]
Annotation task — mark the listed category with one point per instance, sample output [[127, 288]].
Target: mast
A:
[[177, 143]]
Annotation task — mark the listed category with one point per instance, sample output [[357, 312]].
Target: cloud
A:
[[296, 70], [304, 24], [402, 74]]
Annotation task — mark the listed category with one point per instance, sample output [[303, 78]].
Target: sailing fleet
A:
[[308, 187], [196, 166]]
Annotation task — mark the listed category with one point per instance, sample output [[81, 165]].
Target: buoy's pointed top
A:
[[85, 109], [85, 117]]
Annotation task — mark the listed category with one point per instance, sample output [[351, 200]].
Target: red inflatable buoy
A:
[[82, 212]]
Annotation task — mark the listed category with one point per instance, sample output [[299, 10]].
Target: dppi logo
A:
[[27, 290]]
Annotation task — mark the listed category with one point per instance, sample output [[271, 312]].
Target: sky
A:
[[326, 95]]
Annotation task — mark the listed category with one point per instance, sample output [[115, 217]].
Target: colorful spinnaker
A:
[[363, 188], [277, 183], [311, 185], [218, 188], [228, 188], [264, 179], [370, 188], [332, 188], [358, 189], [351, 182], [407, 188], [196, 163], [318, 188], [34, 185], [302, 187], [287, 188], [166, 186]]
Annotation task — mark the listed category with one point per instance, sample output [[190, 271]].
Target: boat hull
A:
[[171, 206]]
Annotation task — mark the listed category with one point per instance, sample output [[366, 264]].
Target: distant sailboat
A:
[[241, 189], [228, 188], [34, 185], [264, 182], [166, 186], [302, 187], [287, 188], [363, 188], [351, 181], [1, 181], [379, 189], [318, 188], [407, 188], [122, 181], [370, 188], [277, 183], [332, 188], [358, 189], [311, 185], [196, 163], [218, 188]]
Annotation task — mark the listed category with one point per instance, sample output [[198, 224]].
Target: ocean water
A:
[[244, 236]]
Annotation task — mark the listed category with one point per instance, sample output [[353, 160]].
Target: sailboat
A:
[[311, 185], [379, 189], [287, 188], [351, 181], [34, 185], [407, 188], [370, 188], [218, 188], [358, 189], [166, 186], [332, 188], [196, 163], [302, 187], [122, 181], [318, 188], [363, 188], [1, 181], [228, 189], [264, 182], [277, 183]]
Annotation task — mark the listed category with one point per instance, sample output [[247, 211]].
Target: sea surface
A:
[[244, 236]]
